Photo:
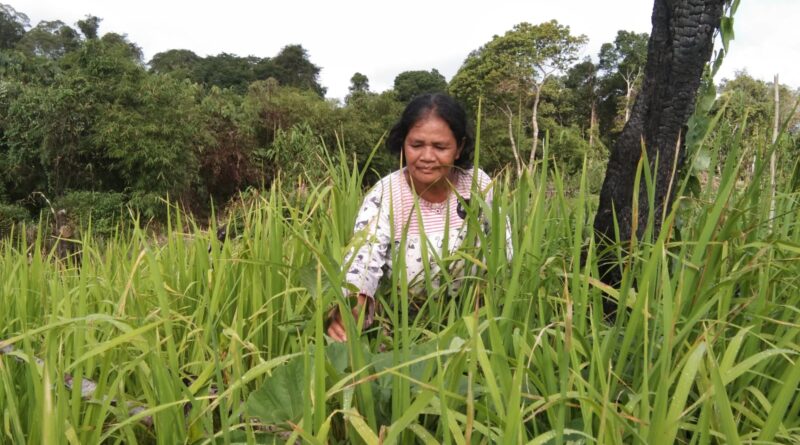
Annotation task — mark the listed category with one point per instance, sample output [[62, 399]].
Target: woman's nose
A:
[[427, 154]]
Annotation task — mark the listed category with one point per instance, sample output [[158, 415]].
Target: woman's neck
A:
[[438, 192]]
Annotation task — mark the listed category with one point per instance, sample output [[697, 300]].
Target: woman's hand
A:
[[336, 329]]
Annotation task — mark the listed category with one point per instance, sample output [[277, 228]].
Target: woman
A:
[[435, 143]]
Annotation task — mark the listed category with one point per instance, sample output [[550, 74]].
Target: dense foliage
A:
[[80, 111]]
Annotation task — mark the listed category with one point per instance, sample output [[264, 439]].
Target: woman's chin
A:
[[426, 180]]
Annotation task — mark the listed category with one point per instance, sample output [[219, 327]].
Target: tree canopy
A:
[[290, 67], [621, 66], [410, 84], [513, 69], [12, 26]]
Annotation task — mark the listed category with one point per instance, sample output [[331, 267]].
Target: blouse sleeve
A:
[[369, 252]]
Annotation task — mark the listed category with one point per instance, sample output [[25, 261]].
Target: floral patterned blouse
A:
[[388, 212]]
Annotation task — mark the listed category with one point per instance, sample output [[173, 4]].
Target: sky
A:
[[382, 39]]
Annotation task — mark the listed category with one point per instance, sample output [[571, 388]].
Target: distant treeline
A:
[[89, 124]]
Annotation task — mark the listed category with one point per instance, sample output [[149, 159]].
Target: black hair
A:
[[440, 105]]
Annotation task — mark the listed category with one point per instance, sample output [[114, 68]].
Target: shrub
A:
[[151, 206], [106, 209], [10, 215], [295, 153]]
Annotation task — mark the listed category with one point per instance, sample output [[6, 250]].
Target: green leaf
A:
[[411, 414], [308, 279], [282, 396], [692, 186], [726, 31], [777, 415], [667, 429], [338, 356], [734, 6], [702, 161], [361, 427], [722, 404], [423, 434], [706, 96]]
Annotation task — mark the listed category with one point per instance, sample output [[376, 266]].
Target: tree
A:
[[226, 151], [361, 123], [104, 124], [50, 129], [12, 26], [269, 107], [121, 41], [89, 26], [410, 84], [753, 98], [50, 39], [518, 64], [751, 102], [488, 74], [679, 47], [182, 63], [622, 65], [582, 87], [359, 88], [225, 71], [359, 83], [554, 49], [291, 67]]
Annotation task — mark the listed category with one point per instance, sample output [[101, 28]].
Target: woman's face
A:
[[430, 150]]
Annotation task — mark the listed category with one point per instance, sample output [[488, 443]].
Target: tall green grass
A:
[[188, 344]]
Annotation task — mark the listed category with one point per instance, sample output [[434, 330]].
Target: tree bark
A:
[[630, 80], [772, 159], [535, 120], [592, 123], [679, 47], [510, 116], [537, 87]]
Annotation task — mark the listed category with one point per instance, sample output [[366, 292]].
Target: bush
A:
[[11, 215], [151, 206], [105, 209], [226, 151], [569, 148], [296, 152]]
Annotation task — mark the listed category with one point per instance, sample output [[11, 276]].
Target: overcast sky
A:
[[382, 39]]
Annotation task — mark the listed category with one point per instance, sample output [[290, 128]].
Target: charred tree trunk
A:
[[680, 45]]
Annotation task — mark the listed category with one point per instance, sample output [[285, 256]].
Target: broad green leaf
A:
[[726, 31], [281, 397]]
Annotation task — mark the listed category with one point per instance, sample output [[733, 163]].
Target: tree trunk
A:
[[510, 116], [535, 122], [592, 123], [628, 94], [679, 47], [772, 160]]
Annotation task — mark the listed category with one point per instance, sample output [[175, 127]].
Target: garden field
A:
[[185, 339]]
